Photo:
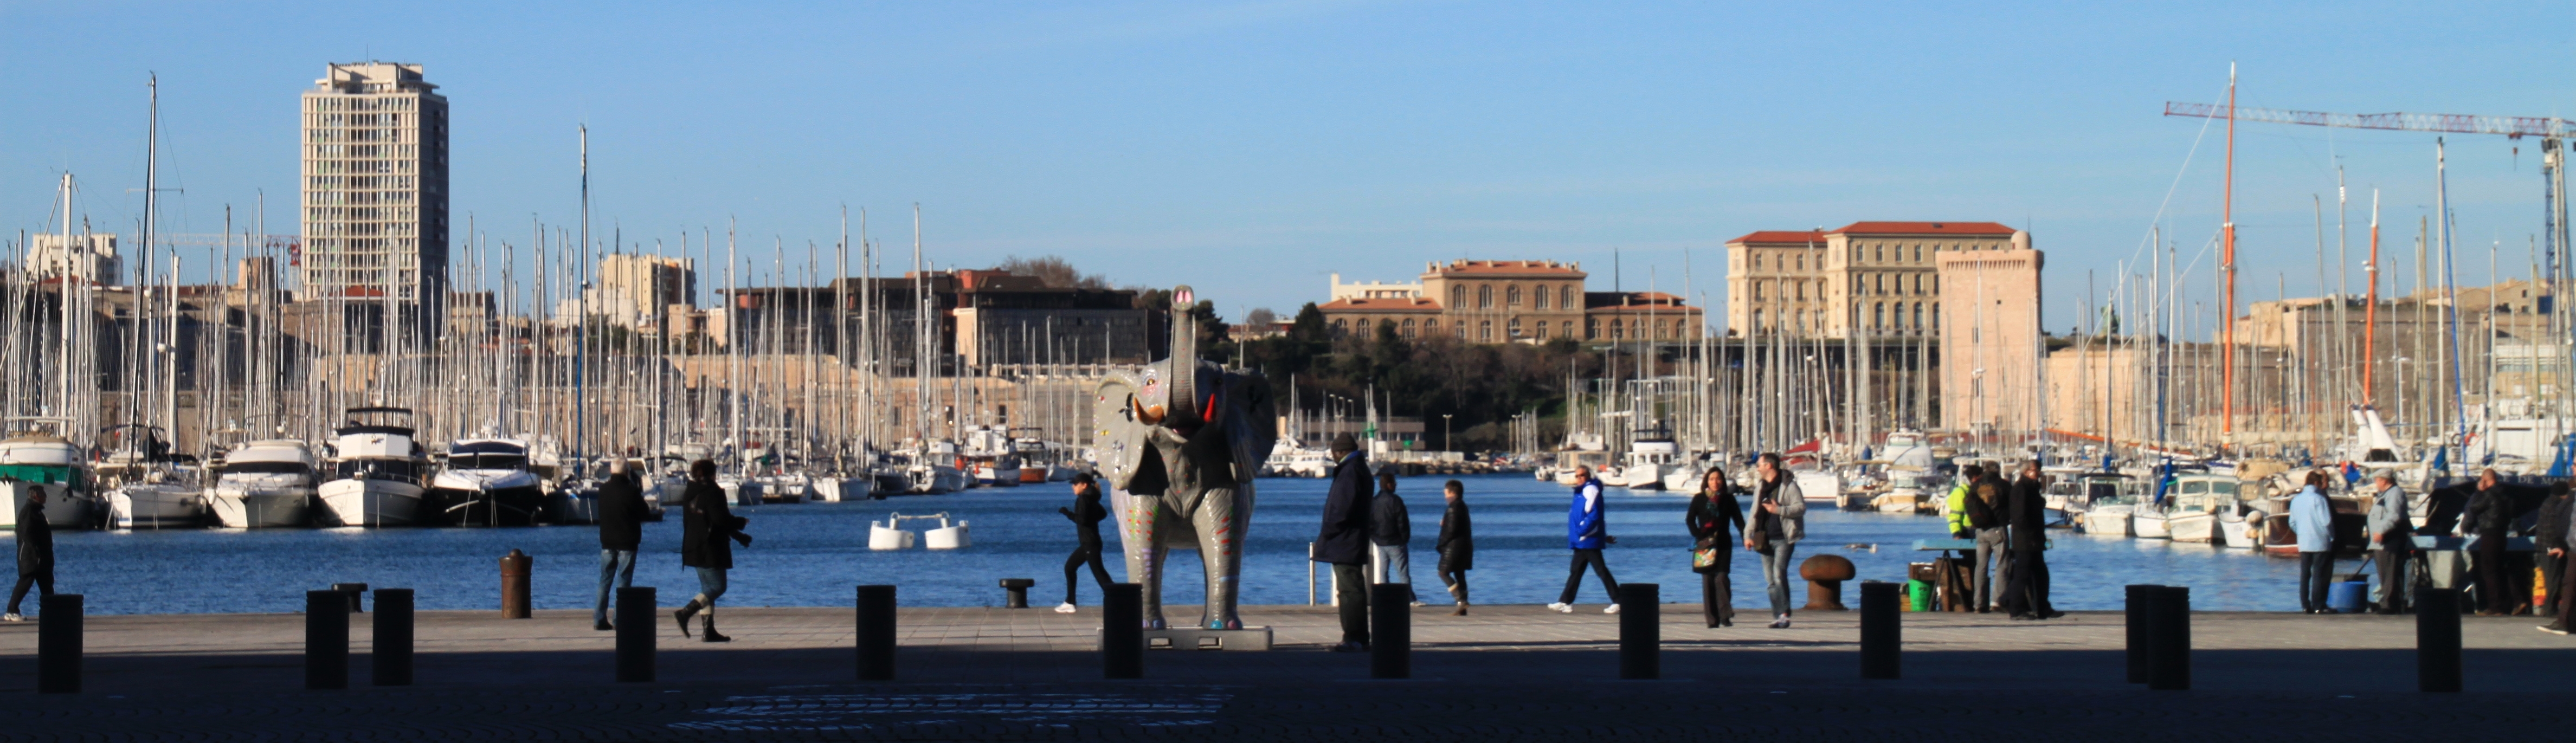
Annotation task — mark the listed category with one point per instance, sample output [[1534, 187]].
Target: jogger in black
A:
[[1086, 514], [35, 552]]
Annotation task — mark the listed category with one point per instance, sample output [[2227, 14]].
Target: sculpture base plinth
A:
[[1184, 638]]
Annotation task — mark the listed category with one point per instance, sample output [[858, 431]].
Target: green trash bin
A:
[[1918, 596]]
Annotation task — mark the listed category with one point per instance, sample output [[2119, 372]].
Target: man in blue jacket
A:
[[2312, 519], [1587, 533], [1344, 541]]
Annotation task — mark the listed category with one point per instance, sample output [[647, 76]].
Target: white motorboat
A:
[[145, 486], [739, 491], [1650, 457], [890, 535], [2191, 511], [265, 484], [486, 482], [785, 488], [37, 460], [992, 458], [2148, 522], [1821, 487], [376, 471], [2110, 520]]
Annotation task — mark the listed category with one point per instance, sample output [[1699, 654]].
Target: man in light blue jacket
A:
[[2392, 532], [2312, 519]]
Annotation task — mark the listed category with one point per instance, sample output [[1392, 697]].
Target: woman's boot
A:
[[708, 632], [684, 614]]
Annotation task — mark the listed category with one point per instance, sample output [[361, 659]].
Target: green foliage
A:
[[1481, 385]]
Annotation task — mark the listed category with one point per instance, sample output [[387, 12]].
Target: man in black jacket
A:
[[621, 532], [1086, 514], [1988, 495], [1457, 544], [1391, 535], [708, 531], [1344, 541], [2490, 518], [2026, 597], [2550, 538], [35, 552]]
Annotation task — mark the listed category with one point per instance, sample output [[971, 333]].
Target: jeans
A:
[[711, 586], [1775, 575], [43, 579], [615, 567], [2316, 572], [1990, 557], [1574, 576], [1350, 590], [1088, 553], [1392, 563]]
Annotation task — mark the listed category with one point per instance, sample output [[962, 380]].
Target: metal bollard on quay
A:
[[876, 633], [58, 644], [1882, 636], [391, 657], [1122, 631], [2437, 640], [514, 584], [1641, 631], [1390, 630], [636, 644], [326, 640]]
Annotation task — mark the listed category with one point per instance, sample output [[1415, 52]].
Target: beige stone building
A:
[[1875, 278], [1990, 338], [1491, 301]]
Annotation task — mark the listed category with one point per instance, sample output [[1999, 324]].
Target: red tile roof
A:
[[1790, 237], [1393, 304], [1924, 228], [1524, 268]]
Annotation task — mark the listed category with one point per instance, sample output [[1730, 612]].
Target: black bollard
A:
[[1122, 631], [876, 633], [636, 606], [2139, 599], [1641, 631], [1882, 638], [392, 655], [1015, 592], [2169, 640], [326, 640], [2437, 639], [354, 591], [1391, 631], [58, 644]]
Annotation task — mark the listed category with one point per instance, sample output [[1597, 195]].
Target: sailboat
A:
[[34, 460], [146, 486], [376, 471]]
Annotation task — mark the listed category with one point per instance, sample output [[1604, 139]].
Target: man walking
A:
[[1344, 541], [2312, 521], [621, 532], [1457, 544], [35, 553], [2392, 531], [1587, 532], [2026, 597], [1779, 521]]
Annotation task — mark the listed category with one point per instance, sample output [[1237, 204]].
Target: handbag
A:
[[1706, 553]]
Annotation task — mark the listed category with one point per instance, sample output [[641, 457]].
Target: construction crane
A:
[[2552, 132]]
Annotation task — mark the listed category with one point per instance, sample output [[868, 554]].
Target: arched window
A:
[[1565, 297], [1569, 328], [1512, 296], [1539, 298], [1542, 327], [1918, 315], [1485, 331], [1459, 328], [1516, 325], [1408, 327], [1485, 297], [1341, 326], [1592, 325], [1617, 330], [1878, 315], [1457, 297], [1936, 313], [1757, 289]]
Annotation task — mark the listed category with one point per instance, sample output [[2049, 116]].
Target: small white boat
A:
[[2110, 520], [376, 480], [1650, 457], [1900, 500], [265, 484], [2192, 509], [2149, 523], [890, 535], [2235, 531]]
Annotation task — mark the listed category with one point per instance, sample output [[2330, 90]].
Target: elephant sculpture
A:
[[1178, 443]]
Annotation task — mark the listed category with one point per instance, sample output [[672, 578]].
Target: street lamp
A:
[[1444, 431]]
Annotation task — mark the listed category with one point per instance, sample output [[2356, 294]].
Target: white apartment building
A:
[[375, 185]]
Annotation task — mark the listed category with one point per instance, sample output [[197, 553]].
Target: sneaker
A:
[[2549, 628], [12, 617], [1561, 608], [1064, 608], [1780, 622], [1611, 609]]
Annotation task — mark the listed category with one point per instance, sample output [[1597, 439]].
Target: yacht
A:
[[992, 458], [1650, 457], [265, 484], [375, 471], [487, 483], [37, 460], [2191, 512], [932, 472]]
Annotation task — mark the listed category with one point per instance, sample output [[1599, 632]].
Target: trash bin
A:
[[2348, 596], [1918, 595]]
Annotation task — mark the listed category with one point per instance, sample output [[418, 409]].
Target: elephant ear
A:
[[1252, 423], [1117, 437]]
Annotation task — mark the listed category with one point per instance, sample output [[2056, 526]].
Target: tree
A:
[[1052, 270], [1260, 316]]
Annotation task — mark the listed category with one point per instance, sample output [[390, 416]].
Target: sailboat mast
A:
[[2227, 265]]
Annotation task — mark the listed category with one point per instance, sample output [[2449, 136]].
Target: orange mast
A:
[[2227, 264]]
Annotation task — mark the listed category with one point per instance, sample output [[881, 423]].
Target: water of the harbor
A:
[[812, 554]]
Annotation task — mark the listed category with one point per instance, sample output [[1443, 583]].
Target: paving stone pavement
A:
[[1503, 673]]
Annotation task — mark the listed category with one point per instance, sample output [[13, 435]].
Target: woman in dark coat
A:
[[1457, 545], [1712, 509], [708, 531]]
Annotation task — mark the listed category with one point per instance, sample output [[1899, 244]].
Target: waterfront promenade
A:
[[1505, 672]]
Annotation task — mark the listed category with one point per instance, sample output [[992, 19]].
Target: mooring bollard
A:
[[1122, 631], [326, 640], [2169, 640], [2140, 597], [1641, 631], [1882, 639], [355, 592], [392, 655], [1015, 592], [1390, 630], [635, 633], [2437, 639], [58, 644], [876, 633], [514, 584]]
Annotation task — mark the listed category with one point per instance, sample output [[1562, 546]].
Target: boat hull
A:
[[369, 503], [2199, 527], [156, 507], [262, 509], [2149, 526], [521, 505]]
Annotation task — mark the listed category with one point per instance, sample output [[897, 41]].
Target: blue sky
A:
[[1251, 149]]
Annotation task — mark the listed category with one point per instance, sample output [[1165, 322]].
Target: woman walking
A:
[[1779, 521], [1457, 545], [708, 530], [1086, 514], [1711, 512]]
